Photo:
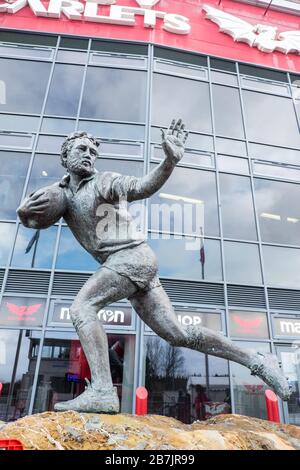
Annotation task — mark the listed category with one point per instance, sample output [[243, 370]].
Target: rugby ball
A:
[[35, 213]]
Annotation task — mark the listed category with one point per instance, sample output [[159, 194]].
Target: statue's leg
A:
[[155, 309], [102, 288]]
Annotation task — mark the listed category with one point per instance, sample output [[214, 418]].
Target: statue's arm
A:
[[173, 142]]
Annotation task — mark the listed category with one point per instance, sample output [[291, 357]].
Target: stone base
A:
[[85, 431]]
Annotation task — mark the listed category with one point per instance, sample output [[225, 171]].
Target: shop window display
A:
[[185, 384]]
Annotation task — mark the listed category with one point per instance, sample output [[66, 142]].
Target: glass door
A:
[[289, 357]]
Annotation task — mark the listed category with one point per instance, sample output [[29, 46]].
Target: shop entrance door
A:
[[290, 359]]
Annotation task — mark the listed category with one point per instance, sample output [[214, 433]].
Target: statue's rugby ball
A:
[[50, 214]]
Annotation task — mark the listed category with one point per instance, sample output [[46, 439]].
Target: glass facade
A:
[[241, 168]]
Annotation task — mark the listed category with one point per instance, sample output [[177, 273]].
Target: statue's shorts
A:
[[138, 264]]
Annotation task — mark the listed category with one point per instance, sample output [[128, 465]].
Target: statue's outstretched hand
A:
[[173, 141]]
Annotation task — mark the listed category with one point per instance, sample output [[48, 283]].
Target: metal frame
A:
[[147, 146]]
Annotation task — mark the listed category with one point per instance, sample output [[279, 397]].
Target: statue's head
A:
[[79, 153]]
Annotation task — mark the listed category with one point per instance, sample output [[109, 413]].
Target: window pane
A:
[[16, 372], [180, 69], [237, 207], [275, 169], [125, 167], [274, 154], [242, 263], [72, 57], [282, 266], [231, 147], [110, 130], [58, 126], [191, 104], [187, 187], [50, 143], [270, 119], [249, 390], [223, 78], [114, 94], [184, 385], [39, 247], [228, 112], [65, 359], [13, 170], [22, 93], [11, 122], [195, 141], [278, 211], [248, 324], [237, 165], [193, 260], [16, 141], [266, 85], [46, 170], [7, 232], [64, 90], [190, 157], [71, 255]]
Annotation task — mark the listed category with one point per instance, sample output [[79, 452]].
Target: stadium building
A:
[[121, 69]]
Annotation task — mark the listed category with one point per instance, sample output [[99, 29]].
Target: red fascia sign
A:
[[182, 24]]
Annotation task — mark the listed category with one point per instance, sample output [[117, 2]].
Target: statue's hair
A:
[[69, 142]]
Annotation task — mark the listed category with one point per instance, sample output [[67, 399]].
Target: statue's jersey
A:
[[98, 216]]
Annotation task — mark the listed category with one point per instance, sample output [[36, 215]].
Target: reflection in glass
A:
[[187, 258], [64, 93], [249, 390], [237, 207], [270, 119], [7, 232], [227, 111], [71, 255], [114, 94], [16, 371], [282, 266], [13, 170], [184, 384], [193, 103], [187, 184], [64, 368], [46, 170], [25, 93], [278, 211], [242, 263], [34, 249]]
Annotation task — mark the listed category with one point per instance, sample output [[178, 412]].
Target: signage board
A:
[[22, 311], [109, 316], [182, 24], [286, 326], [248, 324]]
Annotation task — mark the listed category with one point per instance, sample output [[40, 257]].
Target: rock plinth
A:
[[84, 431]]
